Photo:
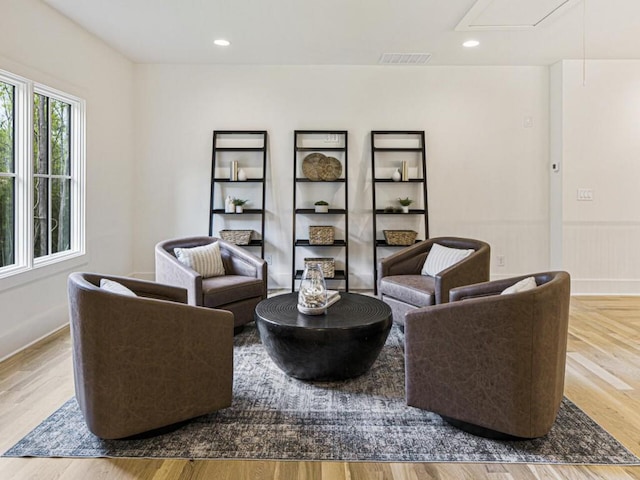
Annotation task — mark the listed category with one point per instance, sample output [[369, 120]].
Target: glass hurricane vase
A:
[[312, 297]]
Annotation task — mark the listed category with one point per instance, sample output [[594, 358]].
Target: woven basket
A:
[[400, 237], [327, 265], [321, 235], [239, 237]]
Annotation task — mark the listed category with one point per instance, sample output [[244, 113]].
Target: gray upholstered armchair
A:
[[242, 287], [403, 288], [492, 364], [147, 361]]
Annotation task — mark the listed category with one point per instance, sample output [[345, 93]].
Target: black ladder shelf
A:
[[249, 148], [334, 143], [389, 148]]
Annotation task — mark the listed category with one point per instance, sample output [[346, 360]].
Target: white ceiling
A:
[[356, 32]]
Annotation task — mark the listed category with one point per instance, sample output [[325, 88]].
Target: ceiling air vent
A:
[[404, 58]]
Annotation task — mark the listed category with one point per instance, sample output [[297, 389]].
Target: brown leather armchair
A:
[[492, 364], [146, 362], [242, 287], [403, 288]]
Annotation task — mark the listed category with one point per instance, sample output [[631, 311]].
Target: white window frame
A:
[[23, 121]]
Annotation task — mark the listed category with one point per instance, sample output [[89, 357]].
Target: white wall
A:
[[600, 150], [488, 173], [38, 43]]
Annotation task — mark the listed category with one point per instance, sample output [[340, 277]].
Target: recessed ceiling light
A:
[[471, 43], [221, 42]]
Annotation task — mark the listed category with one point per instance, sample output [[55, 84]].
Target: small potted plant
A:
[[321, 206], [239, 203], [405, 202]]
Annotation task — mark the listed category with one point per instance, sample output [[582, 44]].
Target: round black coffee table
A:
[[342, 344]]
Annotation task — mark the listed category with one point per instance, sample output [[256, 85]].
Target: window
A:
[[41, 175], [7, 174], [51, 176]]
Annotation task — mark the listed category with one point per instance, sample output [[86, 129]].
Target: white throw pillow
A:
[[441, 258], [115, 287], [528, 283], [206, 259]]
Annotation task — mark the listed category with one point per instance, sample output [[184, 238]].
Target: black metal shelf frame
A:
[[216, 182], [299, 182], [421, 151]]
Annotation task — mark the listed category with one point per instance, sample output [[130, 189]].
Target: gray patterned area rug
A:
[[365, 419]]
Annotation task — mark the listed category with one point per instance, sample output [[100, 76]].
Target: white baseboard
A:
[[605, 286], [595, 286], [42, 325]]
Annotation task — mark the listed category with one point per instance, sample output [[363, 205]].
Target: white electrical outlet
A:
[[268, 259], [500, 260]]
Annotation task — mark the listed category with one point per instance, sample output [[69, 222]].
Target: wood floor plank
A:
[[603, 379]]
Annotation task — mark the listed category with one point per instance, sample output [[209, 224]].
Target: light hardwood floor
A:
[[603, 378]]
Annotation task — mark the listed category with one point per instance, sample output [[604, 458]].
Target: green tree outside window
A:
[[7, 175], [52, 178]]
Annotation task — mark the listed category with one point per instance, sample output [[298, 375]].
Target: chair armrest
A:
[[473, 269], [170, 271], [483, 289], [147, 289], [237, 261]]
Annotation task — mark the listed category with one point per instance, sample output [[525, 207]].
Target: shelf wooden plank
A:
[[248, 180], [339, 275], [320, 149], [239, 149], [305, 180], [241, 132], [411, 212], [397, 132], [319, 132], [220, 211], [252, 243], [305, 243], [389, 180], [383, 243], [311, 211], [397, 149]]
